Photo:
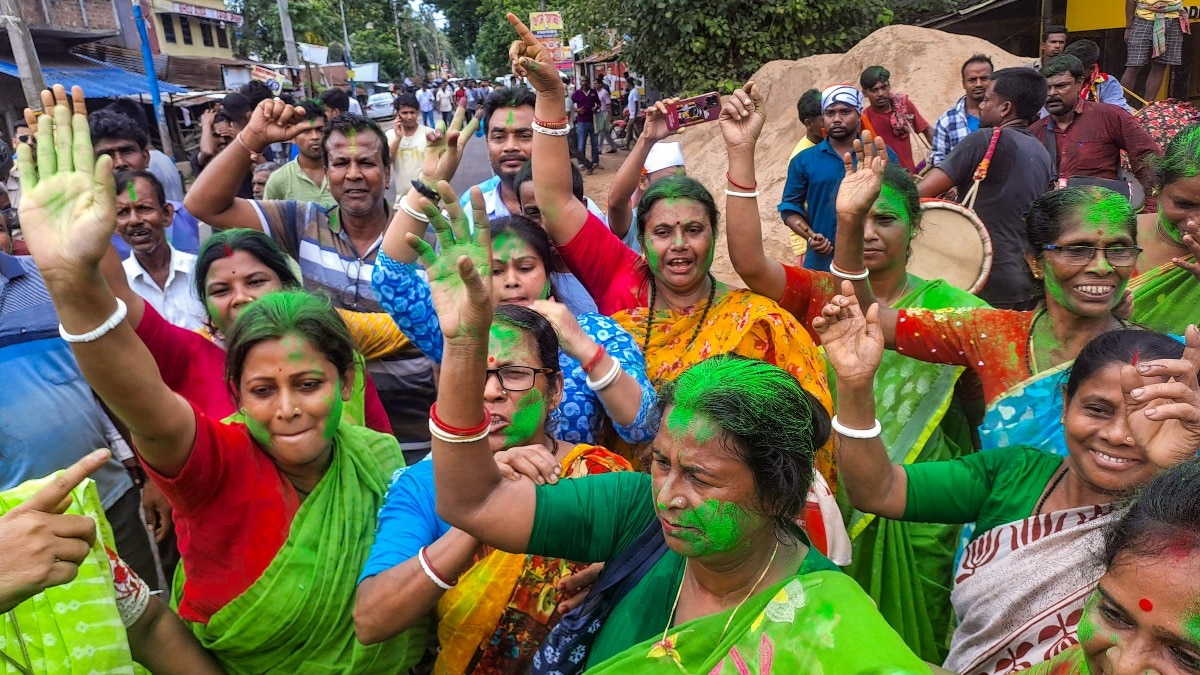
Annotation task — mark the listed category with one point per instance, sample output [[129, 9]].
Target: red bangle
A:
[[561, 124], [748, 188], [433, 570], [458, 431], [595, 360]]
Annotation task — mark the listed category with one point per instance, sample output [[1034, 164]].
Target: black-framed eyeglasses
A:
[[516, 378], [1117, 256]]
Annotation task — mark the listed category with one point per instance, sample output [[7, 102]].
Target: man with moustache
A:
[[303, 179], [1019, 173], [815, 175], [963, 119], [508, 118], [1088, 135]]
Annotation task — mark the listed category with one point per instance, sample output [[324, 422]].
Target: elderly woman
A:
[[1022, 581], [1142, 616], [1166, 290], [715, 574], [313, 484]]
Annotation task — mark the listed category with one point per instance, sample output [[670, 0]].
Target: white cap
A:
[[663, 156]]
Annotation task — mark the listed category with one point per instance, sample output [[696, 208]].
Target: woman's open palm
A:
[[853, 341], [68, 201]]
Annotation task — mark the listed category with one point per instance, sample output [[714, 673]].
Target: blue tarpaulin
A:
[[98, 80]]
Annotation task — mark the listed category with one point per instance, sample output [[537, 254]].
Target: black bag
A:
[[1128, 187], [565, 651]]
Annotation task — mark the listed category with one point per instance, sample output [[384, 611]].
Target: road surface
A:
[[474, 167]]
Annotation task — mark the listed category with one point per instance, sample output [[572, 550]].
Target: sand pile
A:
[[925, 64]]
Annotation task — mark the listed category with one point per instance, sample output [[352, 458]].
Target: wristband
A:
[[609, 377], [561, 124], [748, 195], [416, 215], [432, 573], [459, 431], [595, 360], [849, 276], [437, 433], [427, 191], [254, 154], [549, 131], [747, 188], [861, 434], [103, 329]]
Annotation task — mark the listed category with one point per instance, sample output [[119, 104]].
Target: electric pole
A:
[[289, 40], [28, 65]]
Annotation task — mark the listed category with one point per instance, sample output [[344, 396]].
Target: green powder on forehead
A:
[[891, 202], [527, 420], [1110, 212], [1191, 627], [683, 421], [505, 247], [352, 134], [508, 121], [506, 336], [132, 191]]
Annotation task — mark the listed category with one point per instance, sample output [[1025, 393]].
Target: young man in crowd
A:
[[425, 102], [1054, 40], [814, 176], [304, 179], [893, 117], [1018, 174], [963, 119], [586, 103], [445, 102], [406, 142], [162, 166], [1088, 135], [508, 118], [808, 109]]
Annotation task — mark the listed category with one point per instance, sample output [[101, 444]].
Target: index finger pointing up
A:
[[56, 491], [526, 35]]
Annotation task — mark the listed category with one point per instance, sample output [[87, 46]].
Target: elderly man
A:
[[814, 176]]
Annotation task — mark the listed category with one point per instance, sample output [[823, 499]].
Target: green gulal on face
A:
[[1109, 213], [891, 202], [508, 121], [1087, 626], [213, 313], [684, 421], [258, 431], [1171, 229], [353, 136], [132, 192], [527, 420], [336, 406], [719, 526]]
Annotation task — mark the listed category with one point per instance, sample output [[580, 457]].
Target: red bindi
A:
[[491, 359], [1145, 604], [228, 250]]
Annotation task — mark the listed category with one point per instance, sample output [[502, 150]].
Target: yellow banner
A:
[[1083, 15]]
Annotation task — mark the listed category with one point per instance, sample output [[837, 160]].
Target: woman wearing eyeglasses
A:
[[493, 608], [1081, 244]]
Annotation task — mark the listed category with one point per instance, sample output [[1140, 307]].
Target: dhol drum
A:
[[952, 244]]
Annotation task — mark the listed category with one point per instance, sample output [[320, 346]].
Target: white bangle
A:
[[551, 132], [609, 377], [91, 336], [430, 573], [748, 195], [849, 276], [417, 215], [861, 434], [437, 433]]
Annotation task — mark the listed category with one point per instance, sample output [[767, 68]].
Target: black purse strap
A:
[[1052, 146], [626, 569]]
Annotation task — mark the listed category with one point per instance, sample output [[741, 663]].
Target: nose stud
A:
[[296, 412]]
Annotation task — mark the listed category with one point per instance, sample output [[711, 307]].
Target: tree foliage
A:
[[686, 47], [495, 34]]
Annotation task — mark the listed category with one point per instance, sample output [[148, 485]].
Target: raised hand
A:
[[853, 341], [40, 546], [1162, 404], [460, 275], [535, 462], [444, 147], [273, 121], [742, 116], [68, 199], [531, 59], [1191, 239], [860, 188], [571, 337], [655, 128]]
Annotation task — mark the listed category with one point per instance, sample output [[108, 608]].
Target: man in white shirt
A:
[[156, 271], [406, 141], [445, 103], [425, 101]]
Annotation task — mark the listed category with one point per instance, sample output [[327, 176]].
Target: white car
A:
[[380, 106]]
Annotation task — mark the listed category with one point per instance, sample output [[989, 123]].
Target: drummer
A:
[[923, 418], [1018, 173], [814, 175], [1081, 245]]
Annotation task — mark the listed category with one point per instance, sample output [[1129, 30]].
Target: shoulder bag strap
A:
[[1052, 146]]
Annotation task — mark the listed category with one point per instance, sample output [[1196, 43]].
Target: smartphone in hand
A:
[[693, 111]]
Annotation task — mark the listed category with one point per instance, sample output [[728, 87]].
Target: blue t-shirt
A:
[[972, 123], [408, 519]]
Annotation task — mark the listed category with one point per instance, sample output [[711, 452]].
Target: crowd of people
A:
[[371, 425]]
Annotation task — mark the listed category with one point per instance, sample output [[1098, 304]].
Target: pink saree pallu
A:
[[1020, 588]]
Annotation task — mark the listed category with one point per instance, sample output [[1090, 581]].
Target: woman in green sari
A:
[[1166, 289], [275, 512], [906, 568], [736, 587]]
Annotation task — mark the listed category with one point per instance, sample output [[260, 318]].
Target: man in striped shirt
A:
[[336, 247]]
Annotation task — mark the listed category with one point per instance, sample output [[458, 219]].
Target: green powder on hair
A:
[[1107, 210]]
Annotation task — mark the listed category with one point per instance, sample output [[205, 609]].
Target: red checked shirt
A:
[[1092, 144]]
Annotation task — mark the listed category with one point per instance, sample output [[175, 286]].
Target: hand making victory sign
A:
[[460, 274]]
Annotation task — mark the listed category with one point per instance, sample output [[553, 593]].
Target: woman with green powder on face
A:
[[1022, 581], [272, 511], [729, 581], [1143, 619], [1166, 289], [493, 608], [907, 568]]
